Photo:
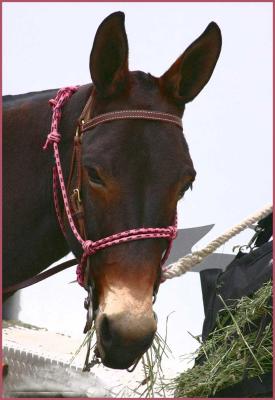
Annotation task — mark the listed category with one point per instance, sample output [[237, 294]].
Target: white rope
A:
[[184, 264]]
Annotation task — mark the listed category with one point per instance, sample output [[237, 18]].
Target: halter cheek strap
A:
[[91, 247]]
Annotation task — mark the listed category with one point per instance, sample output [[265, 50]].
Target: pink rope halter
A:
[[91, 247]]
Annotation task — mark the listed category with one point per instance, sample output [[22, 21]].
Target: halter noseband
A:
[[91, 247]]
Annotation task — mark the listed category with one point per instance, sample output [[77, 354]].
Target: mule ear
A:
[[193, 69], [109, 55]]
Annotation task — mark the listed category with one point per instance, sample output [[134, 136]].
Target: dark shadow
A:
[[11, 307]]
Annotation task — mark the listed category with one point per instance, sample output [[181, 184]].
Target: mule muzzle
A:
[[122, 339]]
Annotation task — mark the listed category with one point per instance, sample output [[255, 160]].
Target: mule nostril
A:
[[106, 334]]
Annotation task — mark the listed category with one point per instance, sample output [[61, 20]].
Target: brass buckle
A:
[[77, 133], [77, 193]]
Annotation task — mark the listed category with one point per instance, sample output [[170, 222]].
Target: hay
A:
[[240, 346], [86, 342], [152, 383]]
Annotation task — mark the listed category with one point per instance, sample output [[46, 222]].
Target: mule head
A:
[[135, 171]]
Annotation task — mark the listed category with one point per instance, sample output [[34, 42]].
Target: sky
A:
[[228, 126]]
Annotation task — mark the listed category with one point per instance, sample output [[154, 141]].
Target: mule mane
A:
[[26, 96]]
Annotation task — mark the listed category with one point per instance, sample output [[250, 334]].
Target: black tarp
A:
[[243, 276]]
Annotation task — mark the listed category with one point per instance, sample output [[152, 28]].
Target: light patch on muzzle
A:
[[125, 327], [124, 300]]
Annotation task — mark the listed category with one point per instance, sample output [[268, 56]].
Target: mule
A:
[[134, 173]]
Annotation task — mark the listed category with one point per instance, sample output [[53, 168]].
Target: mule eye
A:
[[184, 189], [94, 176]]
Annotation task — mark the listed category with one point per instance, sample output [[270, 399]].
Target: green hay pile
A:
[[236, 348]]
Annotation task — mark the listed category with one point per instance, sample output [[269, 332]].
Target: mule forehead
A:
[[142, 146], [154, 148]]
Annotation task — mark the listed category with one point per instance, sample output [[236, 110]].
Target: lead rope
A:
[[184, 264]]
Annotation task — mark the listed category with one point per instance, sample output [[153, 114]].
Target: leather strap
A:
[[43, 275], [74, 188], [130, 114]]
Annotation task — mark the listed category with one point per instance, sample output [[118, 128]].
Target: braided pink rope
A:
[[54, 138], [90, 247], [55, 200]]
